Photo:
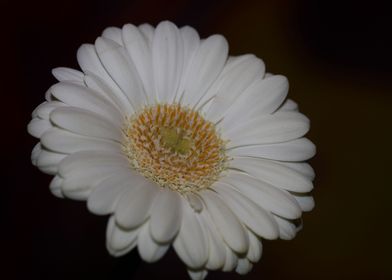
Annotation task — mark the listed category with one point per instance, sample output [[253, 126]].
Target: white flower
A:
[[180, 144]]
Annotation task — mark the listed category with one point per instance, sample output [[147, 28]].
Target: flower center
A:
[[173, 138], [175, 147]]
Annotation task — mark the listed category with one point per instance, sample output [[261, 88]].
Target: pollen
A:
[[175, 147]]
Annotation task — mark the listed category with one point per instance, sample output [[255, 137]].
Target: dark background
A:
[[337, 56]]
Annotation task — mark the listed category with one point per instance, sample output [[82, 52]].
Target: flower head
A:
[[180, 144]]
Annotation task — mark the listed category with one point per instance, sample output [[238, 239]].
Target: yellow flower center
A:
[[175, 147], [174, 139]]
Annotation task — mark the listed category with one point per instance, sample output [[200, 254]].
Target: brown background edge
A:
[[337, 58]]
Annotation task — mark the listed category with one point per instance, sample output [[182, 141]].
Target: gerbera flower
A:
[[179, 143]]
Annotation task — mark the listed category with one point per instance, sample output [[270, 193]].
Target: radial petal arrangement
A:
[[180, 144]]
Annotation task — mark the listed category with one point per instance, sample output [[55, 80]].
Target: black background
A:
[[337, 56]]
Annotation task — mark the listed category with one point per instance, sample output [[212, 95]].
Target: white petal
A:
[[268, 129], [86, 123], [217, 248], [262, 97], [37, 127], [249, 213], [79, 187], [35, 153], [55, 186], [288, 105], [167, 60], [148, 32], [48, 95], [82, 171], [91, 160], [195, 202], [302, 167], [44, 109], [191, 41], [121, 69], [140, 52], [231, 260], [273, 173], [149, 250], [59, 140], [120, 241], [48, 161], [305, 201], [34, 114], [287, 230], [197, 274], [268, 197], [67, 74], [191, 243], [205, 67], [243, 266], [165, 216], [227, 223], [134, 205], [272, 91], [104, 197], [90, 63], [232, 83], [85, 98], [101, 88], [295, 150], [51, 169], [113, 33], [255, 248]]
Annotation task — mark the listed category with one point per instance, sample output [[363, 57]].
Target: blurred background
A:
[[337, 56]]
